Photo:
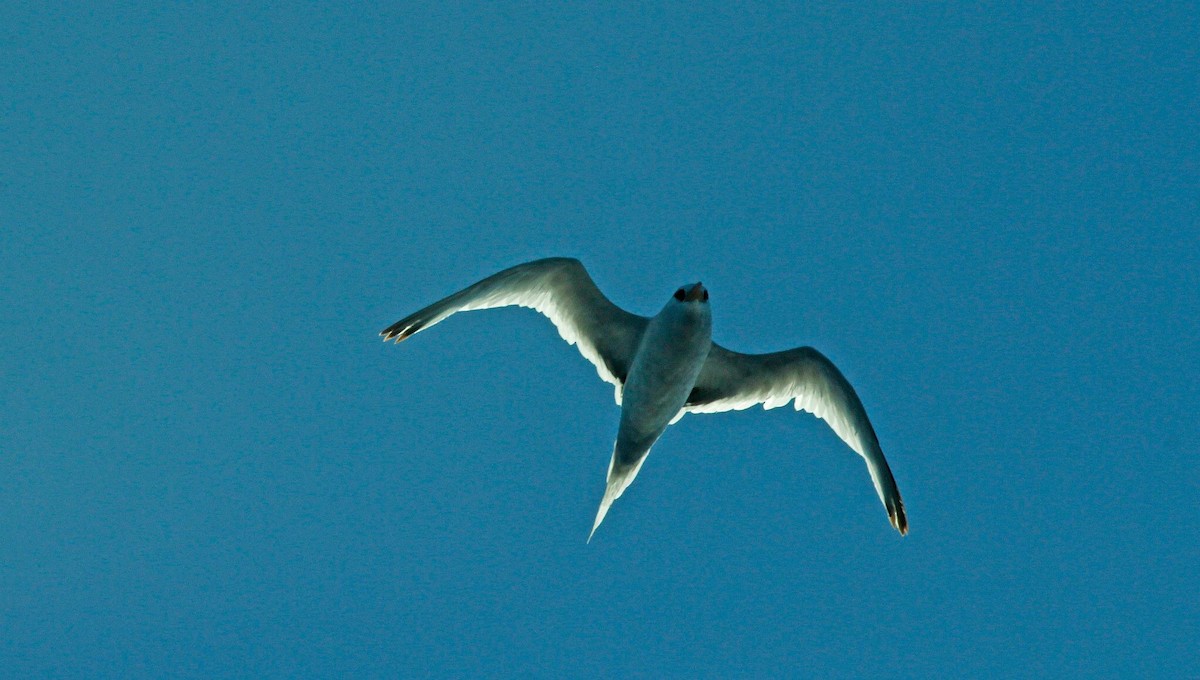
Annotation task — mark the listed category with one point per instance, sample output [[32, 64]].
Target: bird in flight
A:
[[667, 365]]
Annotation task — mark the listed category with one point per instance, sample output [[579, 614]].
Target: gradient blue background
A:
[[210, 466]]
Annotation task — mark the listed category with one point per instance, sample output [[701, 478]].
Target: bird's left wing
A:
[[561, 289], [734, 381]]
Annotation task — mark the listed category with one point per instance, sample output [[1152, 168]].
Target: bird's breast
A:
[[664, 370]]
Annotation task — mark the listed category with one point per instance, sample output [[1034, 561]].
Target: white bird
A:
[[668, 365]]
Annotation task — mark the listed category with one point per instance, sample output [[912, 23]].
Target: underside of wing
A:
[[734, 381], [560, 289]]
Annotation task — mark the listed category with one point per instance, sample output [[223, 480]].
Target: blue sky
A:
[[211, 467]]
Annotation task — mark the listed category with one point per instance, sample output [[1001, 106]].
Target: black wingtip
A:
[[400, 331], [898, 517]]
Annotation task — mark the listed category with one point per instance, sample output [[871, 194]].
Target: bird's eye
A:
[[679, 295], [705, 297]]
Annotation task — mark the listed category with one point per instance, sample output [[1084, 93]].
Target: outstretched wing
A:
[[733, 381], [559, 288]]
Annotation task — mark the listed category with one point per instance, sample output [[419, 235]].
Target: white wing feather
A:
[[560, 289], [733, 381]]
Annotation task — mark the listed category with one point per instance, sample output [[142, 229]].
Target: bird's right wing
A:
[[734, 381], [561, 289]]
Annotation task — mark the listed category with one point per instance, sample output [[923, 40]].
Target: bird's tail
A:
[[619, 479]]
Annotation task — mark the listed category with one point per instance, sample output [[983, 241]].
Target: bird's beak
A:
[[696, 293]]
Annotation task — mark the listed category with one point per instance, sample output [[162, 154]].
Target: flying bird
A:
[[667, 365]]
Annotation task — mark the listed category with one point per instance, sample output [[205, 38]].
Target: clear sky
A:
[[210, 466]]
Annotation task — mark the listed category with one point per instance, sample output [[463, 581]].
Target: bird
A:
[[665, 366]]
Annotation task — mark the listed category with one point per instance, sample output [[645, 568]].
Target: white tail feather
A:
[[618, 481]]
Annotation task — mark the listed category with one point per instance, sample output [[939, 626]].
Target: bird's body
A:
[[667, 365], [664, 371]]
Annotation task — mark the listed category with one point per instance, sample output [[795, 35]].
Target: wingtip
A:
[[398, 333], [899, 518]]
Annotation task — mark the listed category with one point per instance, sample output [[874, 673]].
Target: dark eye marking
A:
[[679, 295], [705, 298]]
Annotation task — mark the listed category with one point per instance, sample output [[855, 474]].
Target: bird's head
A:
[[692, 292], [688, 308]]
